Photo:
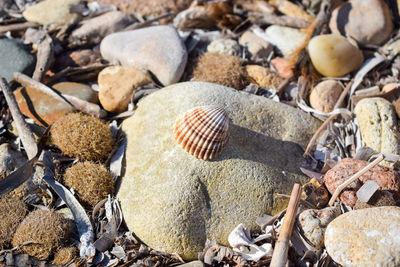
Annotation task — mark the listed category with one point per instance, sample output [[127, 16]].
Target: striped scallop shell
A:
[[203, 131]]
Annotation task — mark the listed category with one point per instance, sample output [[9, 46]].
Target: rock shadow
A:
[[247, 144]]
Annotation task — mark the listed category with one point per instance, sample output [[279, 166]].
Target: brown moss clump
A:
[[65, 255], [12, 212], [90, 181], [222, 69], [47, 230], [82, 136]]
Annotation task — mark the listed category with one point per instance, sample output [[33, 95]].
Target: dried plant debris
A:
[[12, 212], [90, 181], [65, 255], [45, 230], [222, 69], [82, 136]]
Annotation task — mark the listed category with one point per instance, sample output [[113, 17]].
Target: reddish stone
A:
[[387, 178], [283, 67], [45, 109]]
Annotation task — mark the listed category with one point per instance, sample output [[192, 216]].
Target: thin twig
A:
[[79, 104], [4, 251], [147, 22], [269, 18], [44, 55], [17, 26], [281, 88], [279, 257], [26, 135], [340, 188], [343, 95], [317, 134]]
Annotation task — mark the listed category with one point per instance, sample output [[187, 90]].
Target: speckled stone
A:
[[174, 201], [313, 223], [50, 12], [367, 237], [378, 124], [386, 178], [224, 46], [325, 95]]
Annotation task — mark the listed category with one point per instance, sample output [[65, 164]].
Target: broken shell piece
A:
[[203, 131]]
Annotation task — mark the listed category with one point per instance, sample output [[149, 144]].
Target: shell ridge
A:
[[203, 131]]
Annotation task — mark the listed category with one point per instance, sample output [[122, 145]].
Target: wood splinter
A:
[[279, 257]]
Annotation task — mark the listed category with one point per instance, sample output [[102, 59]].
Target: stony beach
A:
[[199, 133]]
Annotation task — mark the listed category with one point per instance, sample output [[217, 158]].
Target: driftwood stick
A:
[[17, 26], [323, 16], [27, 138], [268, 18], [340, 188], [317, 134], [146, 23], [279, 257], [342, 96], [44, 55], [79, 104]]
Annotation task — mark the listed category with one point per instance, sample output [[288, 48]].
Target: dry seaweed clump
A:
[[46, 229], [65, 255], [222, 69], [90, 181], [79, 135], [12, 212]]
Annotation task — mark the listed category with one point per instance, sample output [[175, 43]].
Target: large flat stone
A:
[[174, 201]]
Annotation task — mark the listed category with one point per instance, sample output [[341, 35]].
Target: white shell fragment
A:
[[203, 131]]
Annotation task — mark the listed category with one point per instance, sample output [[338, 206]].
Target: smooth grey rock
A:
[[174, 201], [257, 46], [15, 57], [285, 38], [366, 237], [158, 49]]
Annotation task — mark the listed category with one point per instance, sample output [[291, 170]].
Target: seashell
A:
[[203, 131]]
